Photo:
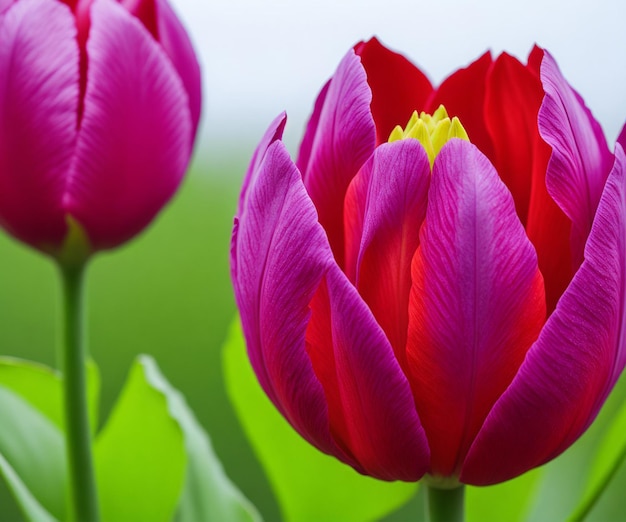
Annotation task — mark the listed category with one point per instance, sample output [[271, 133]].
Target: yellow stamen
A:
[[432, 131]]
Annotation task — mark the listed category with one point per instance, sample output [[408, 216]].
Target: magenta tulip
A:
[[99, 107], [444, 297]]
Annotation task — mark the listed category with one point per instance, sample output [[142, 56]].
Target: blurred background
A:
[[168, 293]]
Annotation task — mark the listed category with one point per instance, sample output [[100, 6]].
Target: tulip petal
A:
[[477, 302], [552, 242], [175, 40], [281, 254], [514, 96], [38, 104], [622, 138], [4, 5], [578, 357], [308, 140], [274, 132], [344, 139], [463, 95], [512, 100], [398, 87], [135, 135], [371, 410], [580, 161], [385, 207]]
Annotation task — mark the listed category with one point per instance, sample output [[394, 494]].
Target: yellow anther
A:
[[432, 131]]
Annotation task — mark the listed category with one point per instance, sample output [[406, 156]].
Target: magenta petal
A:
[[281, 254], [274, 132], [477, 302], [38, 104], [370, 404], [4, 5], [385, 207], [135, 136], [580, 161], [622, 137], [175, 41], [575, 362], [344, 138], [306, 146]]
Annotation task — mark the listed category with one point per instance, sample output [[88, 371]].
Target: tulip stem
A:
[[83, 494], [445, 505]]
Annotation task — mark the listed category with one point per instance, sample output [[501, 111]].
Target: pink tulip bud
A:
[[99, 107]]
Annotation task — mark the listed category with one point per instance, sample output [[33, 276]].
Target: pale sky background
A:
[[261, 57]]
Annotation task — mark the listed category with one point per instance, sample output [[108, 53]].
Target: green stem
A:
[[445, 505], [78, 435]]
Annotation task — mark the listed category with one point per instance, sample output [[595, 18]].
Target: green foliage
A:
[[32, 459], [139, 455], [309, 485], [208, 494], [40, 386], [509, 501]]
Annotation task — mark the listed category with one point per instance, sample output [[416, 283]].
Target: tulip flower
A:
[[99, 107], [435, 287]]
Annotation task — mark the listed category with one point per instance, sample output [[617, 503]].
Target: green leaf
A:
[[31, 508], [511, 500], [32, 460], [610, 454], [41, 387], [208, 494], [140, 455], [309, 485]]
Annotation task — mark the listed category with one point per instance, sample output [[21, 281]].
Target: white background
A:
[[261, 57]]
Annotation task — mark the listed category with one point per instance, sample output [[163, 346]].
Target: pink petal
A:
[[175, 41], [477, 302], [344, 139], [273, 133], [385, 207], [310, 133], [371, 410], [38, 104], [5, 4], [622, 137], [580, 161], [575, 362], [135, 136], [281, 254]]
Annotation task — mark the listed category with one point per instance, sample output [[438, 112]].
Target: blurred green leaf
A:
[[41, 387], [208, 494], [511, 500], [609, 456], [31, 508], [33, 458], [310, 486], [140, 455]]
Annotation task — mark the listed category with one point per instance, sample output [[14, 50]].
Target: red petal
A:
[[512, 102], [463, 95], [371, 411], [398, 87], [385, 207]]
